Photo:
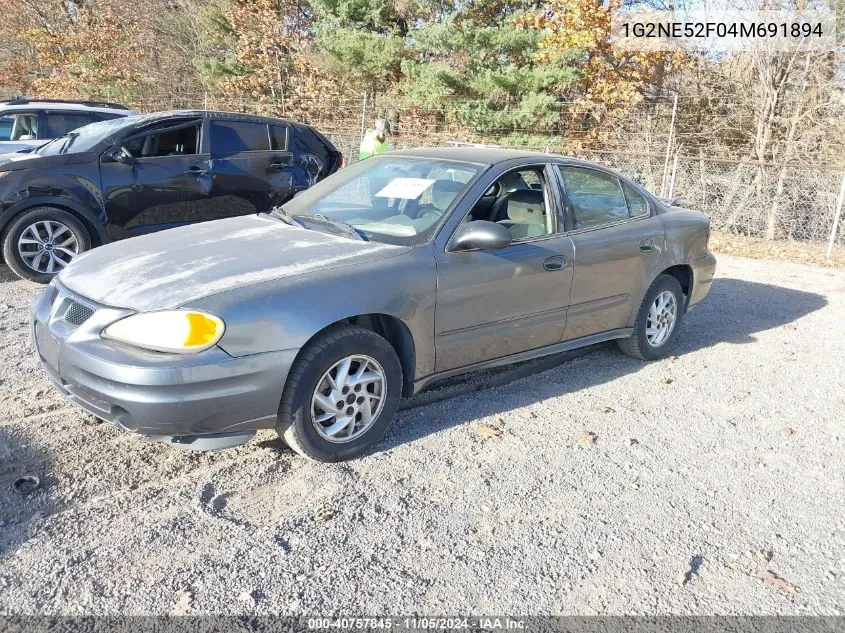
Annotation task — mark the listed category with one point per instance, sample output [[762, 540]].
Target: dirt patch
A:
[[603, 485], [814, 253]]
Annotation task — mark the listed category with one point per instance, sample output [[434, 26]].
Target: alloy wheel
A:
[[661, 318], [47, 246], [348, 399]]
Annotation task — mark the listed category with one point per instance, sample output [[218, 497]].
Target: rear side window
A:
[[232, 137], [60, 123], [309, 152], [596, 197], [637, 205], [279, 137]]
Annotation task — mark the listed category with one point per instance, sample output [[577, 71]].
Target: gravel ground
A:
[[610, 485]]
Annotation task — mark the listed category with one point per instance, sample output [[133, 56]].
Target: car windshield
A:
[[84, 138], [394, 199]]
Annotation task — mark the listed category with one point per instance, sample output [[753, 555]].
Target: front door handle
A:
[[196, 171], [555, 262], [647, 245]]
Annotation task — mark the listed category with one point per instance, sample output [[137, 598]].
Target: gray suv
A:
[[29, 123]]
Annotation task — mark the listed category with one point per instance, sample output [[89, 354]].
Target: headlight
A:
[[179, 331]]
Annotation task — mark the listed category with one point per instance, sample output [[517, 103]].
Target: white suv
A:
[[28, 123]]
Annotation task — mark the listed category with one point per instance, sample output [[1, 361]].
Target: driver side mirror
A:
[[26, 137], [119, 155], [481, 235]]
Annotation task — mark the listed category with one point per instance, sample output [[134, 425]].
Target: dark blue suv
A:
[[134, 175]]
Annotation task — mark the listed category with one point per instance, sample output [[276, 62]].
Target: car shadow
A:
[[734, 311], [6, 274]]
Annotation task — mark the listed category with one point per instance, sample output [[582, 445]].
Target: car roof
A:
[[10, 106], [486, 155], [211, 114]]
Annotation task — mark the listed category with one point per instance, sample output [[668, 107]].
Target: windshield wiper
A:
[[284, 216], [345, 226]]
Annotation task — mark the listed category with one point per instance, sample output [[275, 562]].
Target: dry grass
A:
[[798, 252]]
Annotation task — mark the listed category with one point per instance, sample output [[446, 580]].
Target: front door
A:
[[618, 242], [156, 180], [496, 303]]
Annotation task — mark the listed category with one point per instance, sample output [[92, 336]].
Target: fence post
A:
[[836, 217], [674, 173], [669, 147], [363, 116]]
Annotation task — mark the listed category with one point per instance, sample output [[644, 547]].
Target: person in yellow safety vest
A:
[[374, 141]]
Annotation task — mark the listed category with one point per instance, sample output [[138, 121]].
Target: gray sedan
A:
[[403, 269]]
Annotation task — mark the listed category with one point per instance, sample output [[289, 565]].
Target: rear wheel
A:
[[39, 243], [341, 395], [658, 321]]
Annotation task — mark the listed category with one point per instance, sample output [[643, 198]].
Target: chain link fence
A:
[[765, 201]]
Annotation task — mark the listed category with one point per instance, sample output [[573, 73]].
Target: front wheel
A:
[[341, 395], [40, 242], [658, 321]]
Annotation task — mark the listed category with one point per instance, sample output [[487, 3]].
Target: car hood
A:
[[173, 267], [26, 160]]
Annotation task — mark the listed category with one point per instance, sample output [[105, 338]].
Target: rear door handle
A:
[[647, 245], [555, 262], [196, 171]]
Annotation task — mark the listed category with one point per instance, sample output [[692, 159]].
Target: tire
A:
[[639, 345], [297, 422], [34, 221]]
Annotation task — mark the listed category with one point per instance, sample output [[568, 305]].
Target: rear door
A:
[[618, 242], [253, 169]]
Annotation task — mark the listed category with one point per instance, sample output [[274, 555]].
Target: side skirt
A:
[[563, 346]]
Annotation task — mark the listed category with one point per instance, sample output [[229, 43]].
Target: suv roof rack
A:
[[93, 104]]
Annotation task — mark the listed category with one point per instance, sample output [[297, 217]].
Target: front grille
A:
[[77, 314]]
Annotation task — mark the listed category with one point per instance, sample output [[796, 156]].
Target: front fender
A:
[[78, 193], [286, 313]]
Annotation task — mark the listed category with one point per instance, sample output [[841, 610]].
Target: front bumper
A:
[[703, 271], [154, 394]]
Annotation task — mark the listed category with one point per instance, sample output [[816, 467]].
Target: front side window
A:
[[19, 126], [59, 123], [596, 197], [172, 141], [517, 200], [233, 137], [397, 200]]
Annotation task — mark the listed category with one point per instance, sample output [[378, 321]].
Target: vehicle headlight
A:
[[178, 331]]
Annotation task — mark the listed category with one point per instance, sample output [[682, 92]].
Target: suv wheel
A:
[[341, 395], [658, 321], [40, 242]]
